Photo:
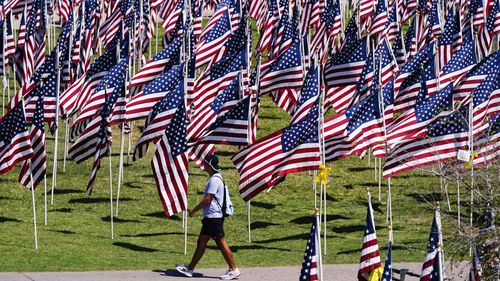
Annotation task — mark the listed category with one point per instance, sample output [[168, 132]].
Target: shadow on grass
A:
[[360, 169], [382, 249], [310, 219], [349, 228], [118, 220], [371, 184], [426, 198], [267, 206], [331, 198], [68, 191], [134, 185], [262, 224], [90, 200], [175, 273], [134, 247], [62, 210], [235, 249], [226, 153], [5, 219], [161, 215], [376, 206], [4, 198], [157, 234], [63, 231], [303, 236]]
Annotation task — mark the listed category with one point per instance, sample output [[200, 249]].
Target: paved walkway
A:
[[343, 272]]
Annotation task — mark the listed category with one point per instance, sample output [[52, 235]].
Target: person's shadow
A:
[[175, 273]]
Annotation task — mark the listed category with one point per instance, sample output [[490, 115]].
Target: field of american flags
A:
[[144, 238], [77, 235]]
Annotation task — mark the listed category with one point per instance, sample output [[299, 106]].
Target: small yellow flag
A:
[[468, 165], [376, 274], [323, 174]]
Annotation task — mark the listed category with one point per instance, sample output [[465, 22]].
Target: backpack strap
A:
[[223, 208]]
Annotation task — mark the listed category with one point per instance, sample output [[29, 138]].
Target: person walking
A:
[[214, 198]]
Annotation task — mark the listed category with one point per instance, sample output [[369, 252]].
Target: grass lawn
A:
[[77, 236]]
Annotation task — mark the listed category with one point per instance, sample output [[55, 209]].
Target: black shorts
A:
[[213, 227]]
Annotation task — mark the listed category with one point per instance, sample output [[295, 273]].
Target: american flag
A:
[[476, 13], [158, 120], [206, 119], [409, 124], [437, 142], [308, 96], [310, 270], [476, 269], [387, 274], [366, 126], [392, 26], [47, 92], [140, 105], [90, 34], [337, 145], [284, 71], [489, 146], [198, 18], [380, 19], [170, 164], [9, 48], [232, 127], [305, 17], [370, 254], [211, 41], [77, 95], [459, 64], [476, 76], [432, 29], [112, 83], [174, 16], [343, 71], [15, 144], [488, 31], [286, 32], [160, 63], [65, 9], [35, 168], [34, 48], [96, 137], [270, 27], [431, 269], [381, 66], [330, 25], [266, 162], [411, 39], [217, 78], [406, 93], [451, 39], [366, 8]]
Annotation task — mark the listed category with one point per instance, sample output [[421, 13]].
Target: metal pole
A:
[[34, 209], [248, 222], [56, 134], [65, 151], [45, 199], [111, 195]]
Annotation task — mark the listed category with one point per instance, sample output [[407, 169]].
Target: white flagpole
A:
[[471, 148], [45, 199], [65, 150], [111, 195], [185, 230], [318, 243], [248, 222], [458, 200], [34, 209], [440, 246], [56, 134], [4, 71]]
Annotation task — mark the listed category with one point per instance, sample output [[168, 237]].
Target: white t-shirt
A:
[[214, 186]]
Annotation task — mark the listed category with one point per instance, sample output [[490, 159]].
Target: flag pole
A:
[[45, 198], [318, 242], [111, 194], [471, 148], [65, 150], [34, 208], [322, 143], [4, 39], [185, 230], [56, 133]]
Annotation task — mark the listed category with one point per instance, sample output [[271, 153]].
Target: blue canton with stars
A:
[[431, 247], [114, 79], [237, 112], [228, 64], [222, 26], [387, 274], [177, 131], [169, 102], [431, 106], [466, 56], [309, 253], [12, 124], [410, 35], [38, 119], [304, 131], [171, 52], [231, 93], [310, 88], [455, 123], [488, 66], [289, 59], [451, 28], [165, 82]]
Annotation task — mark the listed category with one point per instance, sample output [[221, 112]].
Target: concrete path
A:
[[343, 272]]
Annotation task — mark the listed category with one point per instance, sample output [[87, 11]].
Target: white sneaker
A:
[[183, 268], [231, 274]]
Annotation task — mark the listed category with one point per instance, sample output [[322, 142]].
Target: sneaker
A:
[[183, 268], [231, 274]]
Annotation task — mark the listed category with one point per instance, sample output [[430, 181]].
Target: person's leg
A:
[[200, 250], [226, 252]]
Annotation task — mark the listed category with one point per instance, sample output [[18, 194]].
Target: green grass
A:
[[77, 236]]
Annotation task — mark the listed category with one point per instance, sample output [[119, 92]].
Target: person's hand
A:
[[191, 213]]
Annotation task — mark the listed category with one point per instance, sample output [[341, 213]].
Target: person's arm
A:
[[203, 203]]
